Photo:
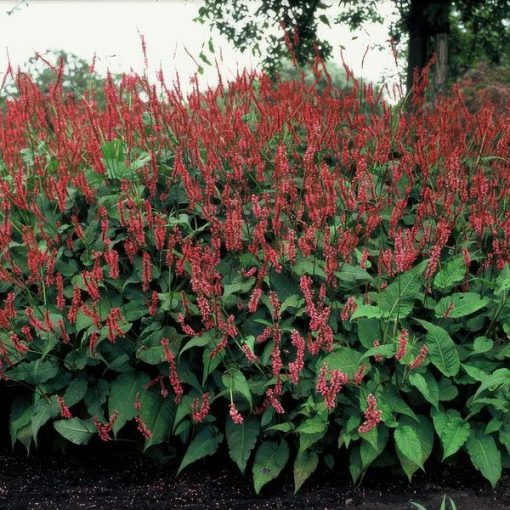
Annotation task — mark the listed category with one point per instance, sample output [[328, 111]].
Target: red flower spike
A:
[[372, 416]]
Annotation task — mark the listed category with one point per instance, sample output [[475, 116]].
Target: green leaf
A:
[[394, 402], [241, 440], [235, 380], [463, 303], [20, 417], [503, 281], [408, 442], [498, 378], [241, 286], [427, 386], [270, 459], [370, 450], [386, 351], [425, 433], [345, 359], [75, 430], [198, 341], [442, 350], [352, 274], [368, 331], [452, 273], [485, 455], [397, 300], [134, 310], [482, 344], [307, 440], [313, 425], [122, 396], [452, 430], [76, 390], [34, 372], [205, 443], [158, 414], [310, 266], [304, 465], [368, 311]]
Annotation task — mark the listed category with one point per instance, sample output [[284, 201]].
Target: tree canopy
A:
[[475, 30]]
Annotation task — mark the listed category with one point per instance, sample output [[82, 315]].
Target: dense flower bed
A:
[[305, 277]]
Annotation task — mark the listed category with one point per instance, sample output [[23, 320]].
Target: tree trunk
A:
[[441, 62], [427, 19], [418, 38]]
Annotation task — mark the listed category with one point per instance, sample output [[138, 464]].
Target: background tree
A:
[[427, 26]]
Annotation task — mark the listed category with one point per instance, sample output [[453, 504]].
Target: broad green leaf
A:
[[355, 466], [44, 410], [241, 440], [198, 341], [394, 403], [460, 304], [313, 425], [235, 381], [447, 390], [20, 417], [503, 281], [33, 372], [304, 465], [122, 396], [450, 274], [425, 433], [427, 386], [442, 350], [499, 378], [270, 459], [368, 311], [134, 310], [408, 442], [452, 430], [310, 267], [397, 300], [368, 331], [153, 355], [307, 440], [504, 437], [241, 285], [205, 443], [385, 351], [454, 435], [485, 455], [158, 414], [370, 450], [76, 390], [75, 430], [482, 344], [352, 274], [345, 359]]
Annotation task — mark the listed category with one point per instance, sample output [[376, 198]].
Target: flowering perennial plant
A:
[[257, 264]]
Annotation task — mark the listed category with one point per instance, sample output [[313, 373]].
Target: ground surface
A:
[[114, 479]]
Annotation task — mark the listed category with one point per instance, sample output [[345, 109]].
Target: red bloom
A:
[[64, 410], [372, 416], [416, 362], [330, 389], [235, 414], [200, 408], [402, 345]]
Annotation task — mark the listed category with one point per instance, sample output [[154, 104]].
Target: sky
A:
[[111, 30]]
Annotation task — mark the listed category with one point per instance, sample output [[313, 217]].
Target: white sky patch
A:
[[110, 29]]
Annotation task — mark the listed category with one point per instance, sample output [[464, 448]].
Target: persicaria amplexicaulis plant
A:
[[260, 265]]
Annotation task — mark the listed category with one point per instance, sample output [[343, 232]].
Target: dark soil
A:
[[117, 478]]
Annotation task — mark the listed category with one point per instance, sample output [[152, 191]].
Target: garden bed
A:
[[114, 477]]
